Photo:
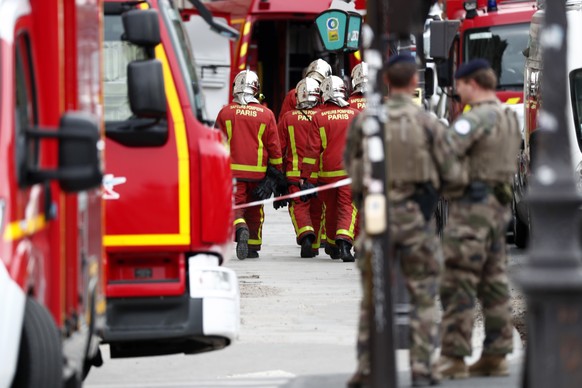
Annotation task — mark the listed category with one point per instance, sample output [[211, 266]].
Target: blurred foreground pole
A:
[[552, 278], [382, 347]]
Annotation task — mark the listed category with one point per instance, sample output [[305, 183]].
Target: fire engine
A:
[[533, 102], [496, 31], [277, 40], [167, 191], [50, 205]]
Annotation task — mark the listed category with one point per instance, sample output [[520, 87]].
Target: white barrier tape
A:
[[343, 182]]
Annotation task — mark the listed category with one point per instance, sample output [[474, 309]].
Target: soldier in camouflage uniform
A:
[[486, 139], [418, 158]]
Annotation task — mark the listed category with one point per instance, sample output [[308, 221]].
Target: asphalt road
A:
[[298, 329]]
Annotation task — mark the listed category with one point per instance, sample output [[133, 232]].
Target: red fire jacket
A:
[[327, 141], [357, 101], [252, 138], [294, 128], [289, 103]]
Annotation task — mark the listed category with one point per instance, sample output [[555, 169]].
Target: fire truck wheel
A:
[[520, 232], [40, 361]]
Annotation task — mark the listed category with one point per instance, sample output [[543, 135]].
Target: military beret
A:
[[466, 69], [400, 58]]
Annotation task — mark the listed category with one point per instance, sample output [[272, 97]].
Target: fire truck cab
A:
[[168, 192], [533, 102], [496, 31], [50, 205]]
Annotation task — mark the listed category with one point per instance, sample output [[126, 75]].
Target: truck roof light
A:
[[491, 5], [470, 8]]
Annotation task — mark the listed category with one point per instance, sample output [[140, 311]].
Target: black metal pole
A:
[[552, 278], [382, 346]]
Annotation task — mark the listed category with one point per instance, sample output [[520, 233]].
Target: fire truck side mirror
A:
[[79, 155], [79, 165], [145, 83], [142, 27], [442, 35]]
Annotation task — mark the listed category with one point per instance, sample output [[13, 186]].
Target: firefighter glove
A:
[[265, 188], [306, 186]]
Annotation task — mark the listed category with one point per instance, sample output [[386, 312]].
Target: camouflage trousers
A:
[[476, 266], [420, 257]]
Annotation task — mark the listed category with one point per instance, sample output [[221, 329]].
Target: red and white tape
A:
[[343, 182]]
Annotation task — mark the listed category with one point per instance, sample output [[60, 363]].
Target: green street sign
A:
[[339, 30], [353, 32]]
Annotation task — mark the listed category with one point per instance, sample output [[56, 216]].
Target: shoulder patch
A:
[[462, 127]]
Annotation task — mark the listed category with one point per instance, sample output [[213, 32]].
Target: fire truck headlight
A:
[[210, 280]]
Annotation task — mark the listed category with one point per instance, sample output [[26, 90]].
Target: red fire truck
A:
[[278, 40], [168, 192], [497, 31], [50, 208]]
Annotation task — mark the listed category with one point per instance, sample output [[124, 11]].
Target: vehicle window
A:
[[576, 95], [503, 46], [116, 55], [181, 44], [26, 116]]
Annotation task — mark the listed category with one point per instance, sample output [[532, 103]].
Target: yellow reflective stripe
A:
[[183, 160], [19, 229], [260, 232], [344, 232], [276, 161], [323, 136], [291, 130], [309, 160], [293, 173], [261, 145], [332, 174], [298, 231], [512, 100], [247, 27], [229, 131], [293, 219], [314, 175], [330, 241], [244, 167], [239, 221], [350, 232], [255, 242], [243, 49]]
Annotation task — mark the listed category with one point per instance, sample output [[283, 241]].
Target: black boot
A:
[[345, 253], [253, 254], [242, 243], [306, 243]]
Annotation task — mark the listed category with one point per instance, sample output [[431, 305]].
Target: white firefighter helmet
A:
[[318, 70], [333, 89], [308, 93], [360, 77], [246, 82]]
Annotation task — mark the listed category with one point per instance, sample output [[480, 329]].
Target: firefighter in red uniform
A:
[[253, 141], [359, 85], [294, 130], [325, 150], [318, 70]]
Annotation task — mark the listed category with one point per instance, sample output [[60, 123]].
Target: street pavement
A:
[[298, 330]]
